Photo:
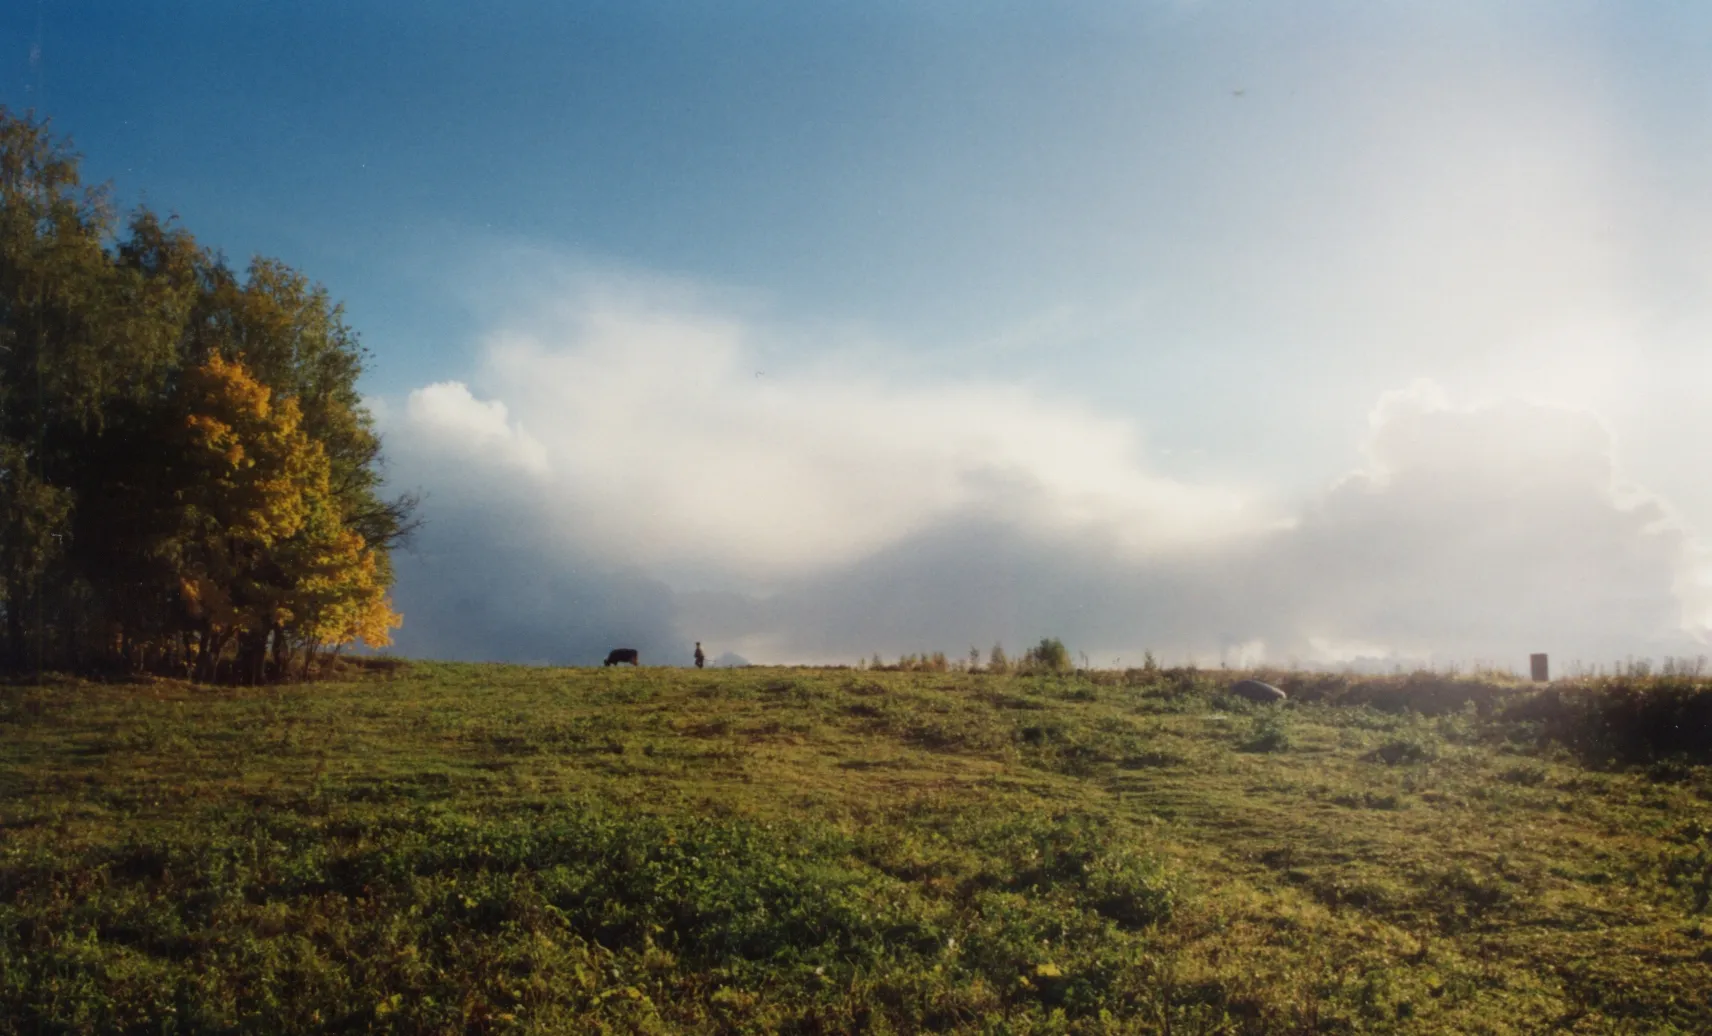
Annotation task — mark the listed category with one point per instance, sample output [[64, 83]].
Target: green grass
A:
[[461, 848]]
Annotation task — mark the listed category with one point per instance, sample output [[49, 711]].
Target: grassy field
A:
[[461, 848]]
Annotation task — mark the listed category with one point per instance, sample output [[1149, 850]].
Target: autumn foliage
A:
[[189, 481]]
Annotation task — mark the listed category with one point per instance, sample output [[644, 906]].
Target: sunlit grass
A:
[[451, 848]]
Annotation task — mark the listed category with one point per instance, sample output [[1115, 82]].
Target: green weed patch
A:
[[460, 849]]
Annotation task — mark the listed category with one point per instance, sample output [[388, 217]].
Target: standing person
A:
[[699, 657]]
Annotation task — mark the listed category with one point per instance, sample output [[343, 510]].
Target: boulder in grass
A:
[[1257, 691]]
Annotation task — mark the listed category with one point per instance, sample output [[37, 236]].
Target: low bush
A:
[[1429, 693], [1626, 720], [1048, 656]]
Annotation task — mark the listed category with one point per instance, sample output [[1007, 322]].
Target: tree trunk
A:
[[74, 641], [252, 656], [15, 647], [218, 655], [281, 654], [199, 672], [208, 659]]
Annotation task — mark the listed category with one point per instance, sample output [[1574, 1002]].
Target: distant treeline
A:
[[189, 482]]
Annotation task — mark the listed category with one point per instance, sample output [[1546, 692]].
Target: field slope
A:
[[462, 848]]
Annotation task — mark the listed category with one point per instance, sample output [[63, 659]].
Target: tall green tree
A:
[[59, 361]]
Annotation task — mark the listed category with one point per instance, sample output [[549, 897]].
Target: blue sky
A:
[[1165, 263]]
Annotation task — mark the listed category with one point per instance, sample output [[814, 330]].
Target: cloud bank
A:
[[629, 470]]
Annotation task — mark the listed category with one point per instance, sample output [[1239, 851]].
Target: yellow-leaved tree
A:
[[245, 469], [340, 593], [262, 554]]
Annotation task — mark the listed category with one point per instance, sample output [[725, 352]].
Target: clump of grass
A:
[[1689, 869], [1269, 732], [1528, 775], [1672, 771], [1369, 800], [1464, 898], [1404, 750]]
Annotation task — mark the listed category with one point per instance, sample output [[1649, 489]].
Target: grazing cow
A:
[[617, 655], [1256, 691]]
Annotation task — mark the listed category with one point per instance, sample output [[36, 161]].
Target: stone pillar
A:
[[1538, 664]]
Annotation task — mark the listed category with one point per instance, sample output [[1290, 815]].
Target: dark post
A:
[[1538, 664]]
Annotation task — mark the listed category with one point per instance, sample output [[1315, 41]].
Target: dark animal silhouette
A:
[[700, 659], [617, 655], [1258, 692]]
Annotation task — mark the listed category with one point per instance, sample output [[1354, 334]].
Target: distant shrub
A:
[[1186, 680], [1131, 677], [1050, 656], [1623, 719], [1428, 693], [923, 663], [996, 660]]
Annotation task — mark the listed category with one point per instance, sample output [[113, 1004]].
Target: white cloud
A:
[[451, 420], [669, 442], [1480, 527], [839, 509], [1477, 533]]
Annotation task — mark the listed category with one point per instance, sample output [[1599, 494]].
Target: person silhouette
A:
[[699, 657]]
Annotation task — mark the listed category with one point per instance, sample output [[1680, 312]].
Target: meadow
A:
[[440, 848]]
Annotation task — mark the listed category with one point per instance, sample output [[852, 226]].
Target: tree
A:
[[294, 339], [185, 461], [33, 517], [340, 592], [76, 333], [262, 553], [247, 473]]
